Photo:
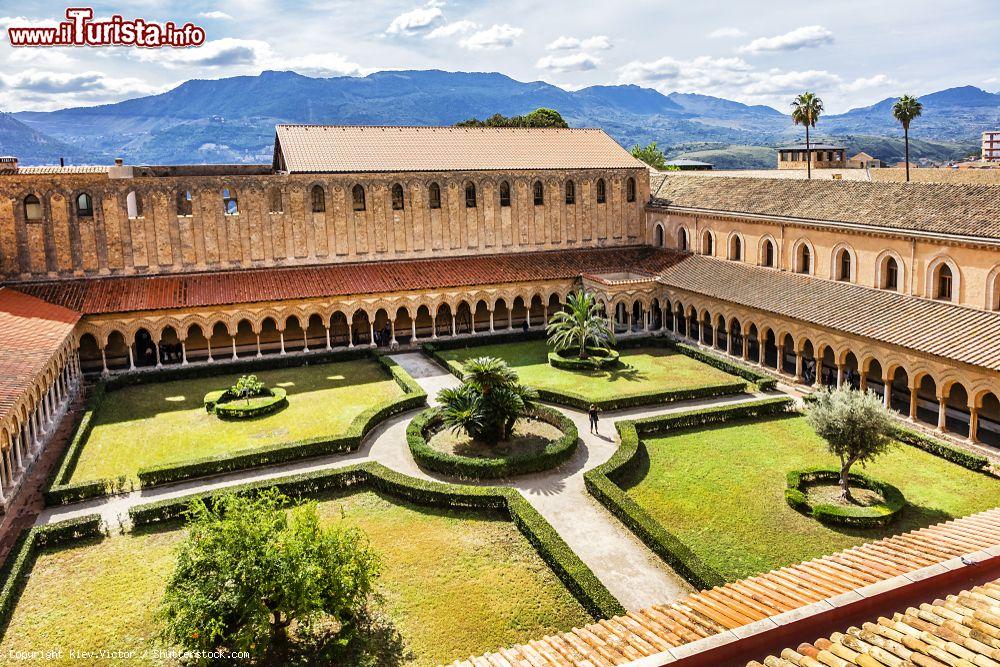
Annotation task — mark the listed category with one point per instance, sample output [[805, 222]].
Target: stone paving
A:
[[636, 576]]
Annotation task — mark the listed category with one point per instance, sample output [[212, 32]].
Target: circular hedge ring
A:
[[423, 426], [227, 406], [873, 516], [601, 357]]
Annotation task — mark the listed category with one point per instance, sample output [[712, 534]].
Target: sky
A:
[[851, 53]]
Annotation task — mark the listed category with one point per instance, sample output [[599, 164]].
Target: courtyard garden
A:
[[720, 490], [453, 583], [167, 422]]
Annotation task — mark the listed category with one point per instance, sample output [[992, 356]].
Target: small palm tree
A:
[[580, 325], [806, 110], [489, 401], [905, 110]]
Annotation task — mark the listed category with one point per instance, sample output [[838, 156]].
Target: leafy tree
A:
[[580, 325], [541, 117], [247, 387], [905, 110], [856, 425], [249, 572], [488, 402], [651, 155], [806, 109]]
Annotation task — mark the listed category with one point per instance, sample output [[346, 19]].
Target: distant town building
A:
[[689, 165], [864, 161], [991, 146], [824, 156]]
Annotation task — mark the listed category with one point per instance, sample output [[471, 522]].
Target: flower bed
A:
[[599, 358], [429, 458], [873, 516], [226, 405]]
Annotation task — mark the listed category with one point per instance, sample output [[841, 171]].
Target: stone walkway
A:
[[636, 576]]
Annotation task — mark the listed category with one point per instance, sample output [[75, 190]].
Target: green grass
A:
[[166, 422], [720, 490], [644, 370], [454, 585]]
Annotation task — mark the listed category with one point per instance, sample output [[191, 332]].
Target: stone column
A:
[[840, 375], [454, 331], [942, 424], [234, 348], [208, 341], [156, 351], [350, 334], [131, 359], [472, 320], [646, 317], [673, 319], [863, 382], [17, 455], [392, 334], [510, 319], [729, 342], [305, 338], [434, 328], [745, 345], [259, 353], [371, 333], [527, 317], [281, 335], [413, 330], [913, 403], [184, 353], [887, 393], [798, 366], [491, 322]]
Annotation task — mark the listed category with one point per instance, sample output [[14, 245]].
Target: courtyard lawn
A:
[[720, 490], [644, 370], [454, 585], [158, 423]]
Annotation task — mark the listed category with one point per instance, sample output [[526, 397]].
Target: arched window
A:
[[736, 249], [434, 196], [602, 194], [184, 204], [659, 236], [358, 197], [133, 204], [84, 205], [504, 193], [844, 265], [805, 259], [570, 192], [707, 246], [769, 253], [397, 197], [944, 283], [318, 199], [539, 192], [470, 195], [230, 206], [630, 189], [32, 208], [682, 239], [891, 280], [275, 203]]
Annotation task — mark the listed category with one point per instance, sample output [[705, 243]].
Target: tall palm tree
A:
[[580, 325], [905, 110], [805, 111]]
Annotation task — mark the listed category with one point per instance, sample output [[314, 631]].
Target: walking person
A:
[[593, 418]]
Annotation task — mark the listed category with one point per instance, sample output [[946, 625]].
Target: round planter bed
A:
[[476, 463], [227, 406], [569, 360], [875, 515]]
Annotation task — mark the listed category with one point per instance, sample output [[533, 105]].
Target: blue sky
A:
[[852, 53]]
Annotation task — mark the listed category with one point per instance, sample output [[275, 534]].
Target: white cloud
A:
[[806, 36], [451, 29], [415, 20], [594, 43], [577, 62], [88, 83], [47, 57], [776, 82], [495, 37], [700, 72], [217, 15], [24, 22], [319, 65], [864, 83], [719, 33], [224, 52]]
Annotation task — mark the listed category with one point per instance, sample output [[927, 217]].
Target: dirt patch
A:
[[829, 494], [531, 436]]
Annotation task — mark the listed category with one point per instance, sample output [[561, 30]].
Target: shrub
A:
[[599, 358], [874, 516], [555, 453], [262, 404], [488, 402], [941, 449], [763, 381]]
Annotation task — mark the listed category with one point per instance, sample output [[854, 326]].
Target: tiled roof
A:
[[125, 294], [351, 149], [954, 209], [56, 169], [657, 629], [31, 331], [960, 630], [954, 332]]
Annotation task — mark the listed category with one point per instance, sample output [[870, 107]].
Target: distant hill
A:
[[32, 147], [232, 119]]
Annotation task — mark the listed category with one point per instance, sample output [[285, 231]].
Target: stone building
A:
[[430, 232], [824, 156]]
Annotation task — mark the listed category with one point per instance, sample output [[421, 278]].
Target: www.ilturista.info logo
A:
[[80, 29]]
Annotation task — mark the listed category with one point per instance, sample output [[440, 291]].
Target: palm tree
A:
[[488, 402], [805, 111], [580, 325], [905, 110]]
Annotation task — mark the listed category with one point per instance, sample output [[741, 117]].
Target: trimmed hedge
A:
[[17, 567], [942, 449], [601, 481], [875, 516], [515, 336], [414, 397], [598, 359], [238, 409], [555, 453], [573, 573], [763, 381]]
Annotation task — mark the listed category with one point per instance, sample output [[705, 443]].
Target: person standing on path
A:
[[593, 418]]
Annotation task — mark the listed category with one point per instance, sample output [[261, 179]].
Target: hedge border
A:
[[609, 359], [555, 453], [580, 402], [571, 571], [855, 517], [17, 568], [601, 480], [231, 410], [413, 397]]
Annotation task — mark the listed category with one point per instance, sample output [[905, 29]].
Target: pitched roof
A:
[[659, 629], [352, 149], [950, 209], [961, 629], [32, 331], [56, 169]]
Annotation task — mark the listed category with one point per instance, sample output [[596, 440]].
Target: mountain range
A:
[[232, 119]]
